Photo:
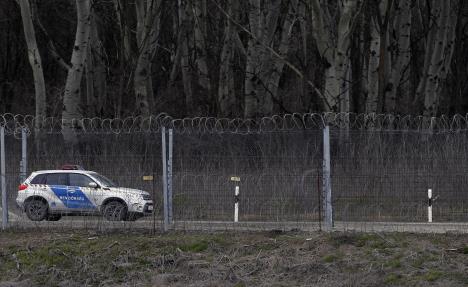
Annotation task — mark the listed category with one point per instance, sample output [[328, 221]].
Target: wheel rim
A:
[[36, 209]]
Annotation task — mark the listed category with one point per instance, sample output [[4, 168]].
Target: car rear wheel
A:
[[115, 211], [36, 209]]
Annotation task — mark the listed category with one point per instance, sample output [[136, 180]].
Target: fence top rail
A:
[[14, 124]]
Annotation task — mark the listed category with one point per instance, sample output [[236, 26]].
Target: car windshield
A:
[[104, 180]]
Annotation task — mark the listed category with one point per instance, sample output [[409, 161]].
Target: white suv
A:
[[49, 194]]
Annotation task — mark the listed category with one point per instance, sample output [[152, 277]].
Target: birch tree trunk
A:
[[35, 61], [377, 57], [252, 99], [342, 59], [71, 97], [333, 45]]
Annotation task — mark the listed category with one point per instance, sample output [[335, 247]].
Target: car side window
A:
[[57, 179], [79, 180], [39, 179]]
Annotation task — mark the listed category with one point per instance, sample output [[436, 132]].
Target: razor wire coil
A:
[[15, 123]]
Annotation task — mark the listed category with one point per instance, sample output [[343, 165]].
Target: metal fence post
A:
[[164, 179], [169, 177], [327, 180], [2, 179], [24, 162]]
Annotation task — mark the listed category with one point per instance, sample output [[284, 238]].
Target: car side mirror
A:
[[93, 184]]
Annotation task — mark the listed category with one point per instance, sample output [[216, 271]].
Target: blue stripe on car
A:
[[72, 197]]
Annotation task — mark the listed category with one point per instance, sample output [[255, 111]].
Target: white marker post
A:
[[236, 198], [429, 205]]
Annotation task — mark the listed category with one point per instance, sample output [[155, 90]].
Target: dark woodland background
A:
[[228, 58]]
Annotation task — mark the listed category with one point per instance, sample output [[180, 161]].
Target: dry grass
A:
[[232, 259]]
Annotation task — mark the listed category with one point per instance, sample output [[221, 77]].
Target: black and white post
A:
[[236, 198], [327, 180], [3, 179], [429, 205]]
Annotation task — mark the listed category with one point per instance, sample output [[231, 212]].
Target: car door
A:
[[80, 194], [57, 183]]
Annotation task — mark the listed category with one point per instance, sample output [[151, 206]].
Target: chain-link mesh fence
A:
[[385, 176], [380, 176]]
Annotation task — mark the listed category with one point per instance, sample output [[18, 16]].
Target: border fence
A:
[[291, 172]]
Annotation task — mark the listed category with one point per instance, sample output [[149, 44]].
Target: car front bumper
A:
[[143, 207]]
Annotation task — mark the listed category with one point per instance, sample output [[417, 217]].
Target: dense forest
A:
[[229, 58]]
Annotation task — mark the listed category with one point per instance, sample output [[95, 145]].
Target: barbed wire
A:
[[14, 124]]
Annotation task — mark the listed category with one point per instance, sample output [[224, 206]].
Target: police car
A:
[[49, 194]]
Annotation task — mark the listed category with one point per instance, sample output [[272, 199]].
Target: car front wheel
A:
[[115, 211], [36, 209]]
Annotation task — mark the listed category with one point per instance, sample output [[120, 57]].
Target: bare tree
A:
[[401, 52], [262, 26], [201, 59], [71, 97], [95, 72], [246, 58], [34, 60], [147, 37], [379, 36], [439, 51], [226, 89], [125, 54], [263, 68], [333, 43], [184, 22]]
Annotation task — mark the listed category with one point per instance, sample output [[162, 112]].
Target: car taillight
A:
[[23, 186]]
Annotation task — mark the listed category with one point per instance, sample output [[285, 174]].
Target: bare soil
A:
[[70, 258]]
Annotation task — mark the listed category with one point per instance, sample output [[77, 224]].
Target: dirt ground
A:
[[70, 258]]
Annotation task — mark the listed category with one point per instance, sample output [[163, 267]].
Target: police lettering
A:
[[71, 198]]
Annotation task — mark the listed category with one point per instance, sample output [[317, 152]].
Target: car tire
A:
[[37, 209], [115, 211], [54, 217]]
